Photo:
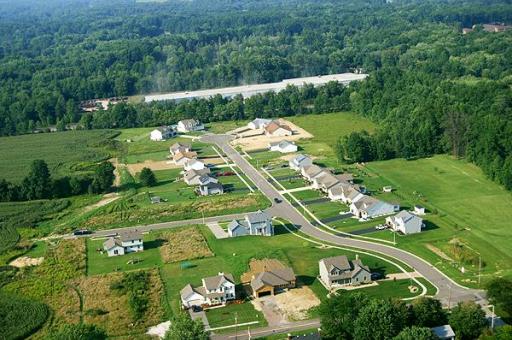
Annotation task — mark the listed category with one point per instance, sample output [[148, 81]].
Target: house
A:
[[126, 242], [257, 223], [419, 210], [444, 332], [311, 172], [340, 271], [155, 199], [214, 290], [467, 30], [179, 148], [162, 133], [346, 177], [351, 195], [369, 207], [405, 222], [283, 147], [258, 123], [183, 157], [495, 28], [387, 188], [325, 181], [276, 129], [335, 193], [211, 188], [300, 161], [193, 164], [273, 281], [193, 177], [189, 125]]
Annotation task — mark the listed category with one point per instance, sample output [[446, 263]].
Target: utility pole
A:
[[449, 296], [236, 325], [479, 269]]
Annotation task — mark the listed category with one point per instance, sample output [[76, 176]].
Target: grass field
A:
[[225, 316], [468, 208], [322, 144], [389, 289], [65, 152]]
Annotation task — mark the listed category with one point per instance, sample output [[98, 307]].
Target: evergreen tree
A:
[[147, 177]]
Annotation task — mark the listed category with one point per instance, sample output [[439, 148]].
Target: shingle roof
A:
[[214, 282], [276, 277], [111, 243], [190, 174], [257, 217], [188, 290], [275, 125], [190, 155], [312, 170], [130, 235], [180, 146]]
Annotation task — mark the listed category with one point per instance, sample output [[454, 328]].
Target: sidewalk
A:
[[217, 230]]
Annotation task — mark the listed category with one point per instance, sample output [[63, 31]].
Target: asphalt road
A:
[[449, 292], [246, 333]]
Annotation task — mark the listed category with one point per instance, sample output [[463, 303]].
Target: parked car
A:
[[277, 200], [376, 276], [196, 309], [380, 227], [79, 232]]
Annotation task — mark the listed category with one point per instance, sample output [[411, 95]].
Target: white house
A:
[[126, 242], [211, 188], [276, 129], [405, 222], [179, 148], [339, 271], [162, 133], [193, 177], [189, 125], [351, 195], [310, 172], [214, 290], [258, 123], [283, 147], [300, 161], [181, 158], [258, 223], [369, 207], [335, 193], [193, 164], [419, 210], [325, 181]]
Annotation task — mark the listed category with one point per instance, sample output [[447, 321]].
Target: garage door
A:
[[264, 293]]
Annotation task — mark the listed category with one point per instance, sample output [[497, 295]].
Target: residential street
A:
[[449, 292], [243, 332]]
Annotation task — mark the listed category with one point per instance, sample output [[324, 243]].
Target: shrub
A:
[[20, 317]]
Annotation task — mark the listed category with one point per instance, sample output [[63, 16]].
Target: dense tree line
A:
[[38, 184]]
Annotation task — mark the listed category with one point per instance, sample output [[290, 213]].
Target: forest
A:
[[431, 88]]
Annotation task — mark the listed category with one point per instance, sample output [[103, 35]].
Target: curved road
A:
[[449, 292]]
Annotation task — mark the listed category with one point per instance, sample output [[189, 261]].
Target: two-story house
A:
[[125, 242], [257, 223], [339, 271], [405, 222], [162, 133], [189, 125], [214, 290]]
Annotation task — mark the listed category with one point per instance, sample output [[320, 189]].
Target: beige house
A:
[[273, 281], [340, 271], [276, 129]]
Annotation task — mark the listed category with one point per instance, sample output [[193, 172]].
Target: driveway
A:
[[449, 292]]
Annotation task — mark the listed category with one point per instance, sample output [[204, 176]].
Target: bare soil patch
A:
[[256, 140], [25, 261], [438, 252], [184, 244], [153, 165], [107, 198]]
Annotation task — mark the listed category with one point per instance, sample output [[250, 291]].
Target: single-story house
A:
[[300, 161], [444, 332], [125, 242], [162, 133], [369, 207], [189, 125], [310, 172], [335, 193], [351, 195], [283, 147], [211, 188], [419, 210], [257, 223], [259, 123], [193, 164], [340, 271], [180, 148], [181, 158], [405, 222], [214, 290], [276, 129], [273, 281], [346, 177], [192, 177], [324, 182]]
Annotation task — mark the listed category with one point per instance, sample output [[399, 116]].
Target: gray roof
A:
[[189, 122], [444, 332], [282, 144], [340, 262], [336, 189], [276, 277], [212, 186], [346, 177], [365, 202], [312, 170], [178, 146], [327, 180], [236, 224], [164, 129], [130, 235], [190, 174], [111, 243], [348, 268], [214, 282], [300, 158], [257, 217]]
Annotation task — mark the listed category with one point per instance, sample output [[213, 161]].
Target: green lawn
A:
[[223, 127], [265, 159], [326, 209], [389, 289], [321, 145], [308, 194], [467, 207], [225, 316], [65, 152], [98, 263]]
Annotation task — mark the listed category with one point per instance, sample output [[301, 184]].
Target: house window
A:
[[116, 252]]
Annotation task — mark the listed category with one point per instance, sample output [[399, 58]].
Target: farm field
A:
[[470, 214], [64, 152]]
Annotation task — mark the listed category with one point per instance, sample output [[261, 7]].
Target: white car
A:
[[380, 227]]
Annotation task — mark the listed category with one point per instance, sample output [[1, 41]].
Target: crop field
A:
[[184, 244], [470, 215], [20, 317], [65, 152], [340, 124]]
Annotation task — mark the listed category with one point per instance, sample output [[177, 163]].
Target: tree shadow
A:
[[157, 243], [429, 226], [304, 280]]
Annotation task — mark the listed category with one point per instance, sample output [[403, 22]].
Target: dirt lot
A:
[[258, 266], [289, 306], [107, 198], [249, 141], [25, 261]]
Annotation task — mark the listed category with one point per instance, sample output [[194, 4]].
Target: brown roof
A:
[[274, 126], [214, 282], [276, 277], [189, 155]]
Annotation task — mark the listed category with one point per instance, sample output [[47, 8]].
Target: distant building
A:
[[495, 28], [339, 271], [276, 129], [194, 177], [369, 207], [179, 147], [181, 158], [310, 172], [126, 242], [273, 281], [193, 164], [300, 161], [214, 290], [258, 223], [283, 147], [211, 188], [258, 123], [189, 125], [444, 332], [419, 210], [162, 133], [405, 222]]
